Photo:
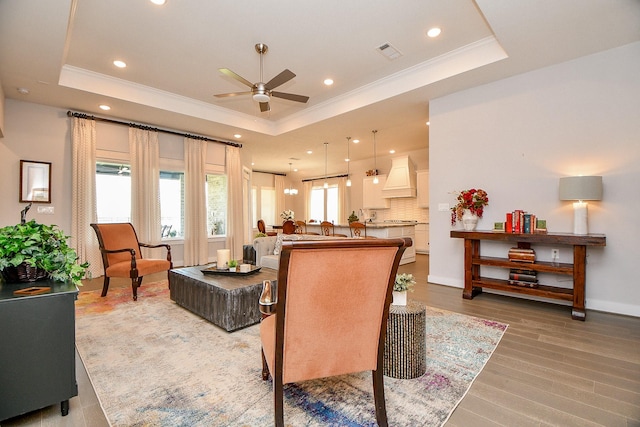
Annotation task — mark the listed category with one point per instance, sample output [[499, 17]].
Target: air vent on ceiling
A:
[[389, 51]]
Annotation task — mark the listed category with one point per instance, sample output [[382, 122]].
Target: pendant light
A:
[[375, 163], [348, 162], [326, 184], [291, 191]]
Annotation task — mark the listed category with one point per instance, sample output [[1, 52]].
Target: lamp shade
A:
[[581, 188]]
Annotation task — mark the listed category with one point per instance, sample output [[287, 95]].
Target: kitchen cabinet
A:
[[422, 238], [37, 350], [409, 254], [423, 188], [372, 193]]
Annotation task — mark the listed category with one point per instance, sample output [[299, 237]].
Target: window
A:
[[216, 191], [324, 203], [268, 205], [172, 204], [113, 192]]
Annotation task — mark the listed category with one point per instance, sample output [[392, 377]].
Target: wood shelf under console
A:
[[473, 282]]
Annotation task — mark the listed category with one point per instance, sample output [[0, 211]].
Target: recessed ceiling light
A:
[[158, 2], [355, 141], [309, 152], [253, 164], [119, 64], [434, 32], [428, 123], [295, 169], [23, 91], [328, 82], [347, 159], [392, 151], [105, 107], [237, 135]]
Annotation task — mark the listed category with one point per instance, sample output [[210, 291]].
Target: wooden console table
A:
[[473, 282]]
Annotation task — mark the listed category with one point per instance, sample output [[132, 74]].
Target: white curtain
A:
[[280, 202], [343, 216], [83, 194], [196, 248], [307, 185], [145, 182], [235, 232]]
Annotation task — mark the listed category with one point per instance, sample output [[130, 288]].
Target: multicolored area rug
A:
[[153, 363]]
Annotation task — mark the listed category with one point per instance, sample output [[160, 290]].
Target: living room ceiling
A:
[[62, 52]]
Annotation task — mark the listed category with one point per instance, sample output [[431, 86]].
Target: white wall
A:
[[516, 137], [35, 132]]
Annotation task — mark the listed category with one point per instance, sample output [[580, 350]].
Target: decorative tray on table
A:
[[225, 271]]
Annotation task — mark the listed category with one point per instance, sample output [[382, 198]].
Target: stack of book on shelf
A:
[[522, 277], [522, 254]]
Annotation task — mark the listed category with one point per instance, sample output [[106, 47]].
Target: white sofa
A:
[[268, 248]]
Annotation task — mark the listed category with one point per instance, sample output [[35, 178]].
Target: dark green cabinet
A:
[[37, 348]]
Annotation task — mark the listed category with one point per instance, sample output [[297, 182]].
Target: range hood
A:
[[401, 181]]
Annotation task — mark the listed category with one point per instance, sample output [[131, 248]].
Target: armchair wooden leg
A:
[[378, 397], [135, 284], [265, 368], [105, 286], [278, 396]]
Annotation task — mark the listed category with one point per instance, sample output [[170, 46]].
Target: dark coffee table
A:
[[230, 302]]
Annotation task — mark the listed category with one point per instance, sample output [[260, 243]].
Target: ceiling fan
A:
[[262, 92]]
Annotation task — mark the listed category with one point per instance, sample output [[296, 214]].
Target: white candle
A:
[[223, 257], [580, 218]]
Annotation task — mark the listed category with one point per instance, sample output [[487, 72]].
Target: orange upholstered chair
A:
[[331, 313], [122, 257]]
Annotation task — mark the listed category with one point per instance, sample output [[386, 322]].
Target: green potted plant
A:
[[353, 217], [30, 251], [233, 264], [404, 282]]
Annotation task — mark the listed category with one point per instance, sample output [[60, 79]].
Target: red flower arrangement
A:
[[474, 200]]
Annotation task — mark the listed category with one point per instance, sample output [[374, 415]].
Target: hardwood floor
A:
[[548, 370]]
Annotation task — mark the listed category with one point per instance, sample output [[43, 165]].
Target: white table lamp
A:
[[580, 188]]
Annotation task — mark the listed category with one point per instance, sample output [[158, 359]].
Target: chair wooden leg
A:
[[135, 284], [378, 397], [105, 286], [278, 401], [265, 368]]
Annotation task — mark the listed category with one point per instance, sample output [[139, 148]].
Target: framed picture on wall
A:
[[35, 181]]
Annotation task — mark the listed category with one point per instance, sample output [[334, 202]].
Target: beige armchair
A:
[[331, 313]]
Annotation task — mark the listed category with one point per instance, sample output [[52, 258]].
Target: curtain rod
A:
[[323, 177], [144, 127], [271, 173]]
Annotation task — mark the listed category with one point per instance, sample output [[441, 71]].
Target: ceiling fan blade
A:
[[280, 79], [264, 107], [290, 96], [228, 72], [226, 95]]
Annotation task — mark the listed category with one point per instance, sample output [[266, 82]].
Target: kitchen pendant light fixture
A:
[[348, 161], [375, 163], [326, 184], [290, 191]]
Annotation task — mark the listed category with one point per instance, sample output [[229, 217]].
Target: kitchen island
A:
[[381, 230]]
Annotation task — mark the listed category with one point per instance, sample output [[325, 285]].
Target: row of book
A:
[[523, 277], [522, 222]]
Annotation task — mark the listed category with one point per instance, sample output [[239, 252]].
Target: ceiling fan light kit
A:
[[262, 92]]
